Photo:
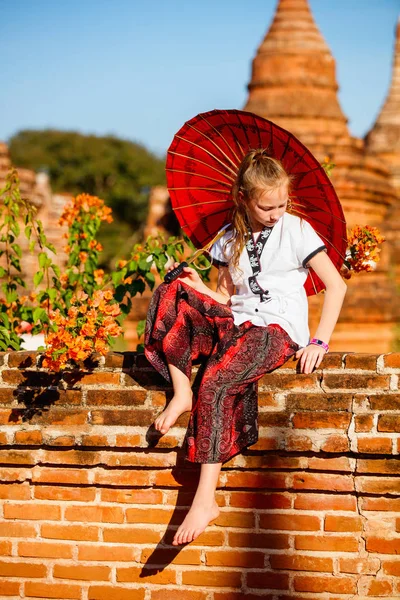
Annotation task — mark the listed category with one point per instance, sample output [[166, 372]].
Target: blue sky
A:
[[139, 70]]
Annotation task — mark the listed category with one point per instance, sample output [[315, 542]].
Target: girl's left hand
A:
[[310, 357]]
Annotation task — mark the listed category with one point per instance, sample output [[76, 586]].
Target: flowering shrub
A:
[[88, 327], [362, 251]]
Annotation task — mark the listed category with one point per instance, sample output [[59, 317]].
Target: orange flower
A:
[[99, 247], [83, 256], [121, 264]]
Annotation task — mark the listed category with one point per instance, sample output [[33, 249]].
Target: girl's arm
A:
[[335, 291], [225, 286]]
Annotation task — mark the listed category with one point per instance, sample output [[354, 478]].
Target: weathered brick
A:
[[321, 420], [289, 381], [359, 565], [102, 514], [132, 535], [14, 491], [78, 378], [342, 523], [334, 585], [21, 359], [389, 423], [290, 522], [29, 437], [321, 401], [256, 480], [8, 396], [58, 492], [378, 485], [392, 360], [326, 543], [391, 567], [135, 575], [323, 481], [325, 502], [259, 500], [375, 445], [340, 463], [356, 381], [381, 504], [389, 401], [163, 556], [382, 545], [135, 416], [251, 539], [361, 361], [122, 397], [336, 443], [132, 496], [301, 563], [363, 423], [11, 529], [233, 558], [16, 569], [385, 465], [9, 588], [298, 443], [176, 594], [106, 553]]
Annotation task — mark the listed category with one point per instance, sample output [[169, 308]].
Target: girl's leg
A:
[[181, 401], [204, 506]]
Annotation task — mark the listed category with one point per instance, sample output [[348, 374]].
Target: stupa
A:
[[294, 84], [383, 141]]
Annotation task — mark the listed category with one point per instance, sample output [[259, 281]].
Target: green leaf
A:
[[136, 287], [5, 319], [144, 265], [150, 279], [2, 272], [56, 269], [32, 245], [38, 278], [42, 259], [17, 249], [141, 326]]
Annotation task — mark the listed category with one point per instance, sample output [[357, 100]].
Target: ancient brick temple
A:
[[294, 84]]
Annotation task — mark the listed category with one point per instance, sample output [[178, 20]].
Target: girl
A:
[[255, 321]]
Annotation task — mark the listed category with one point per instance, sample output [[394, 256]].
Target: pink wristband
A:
[[318, 342]]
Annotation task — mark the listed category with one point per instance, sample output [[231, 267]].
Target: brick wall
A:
[[90, 499]]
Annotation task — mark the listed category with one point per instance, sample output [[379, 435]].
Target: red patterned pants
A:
[[184, 325]]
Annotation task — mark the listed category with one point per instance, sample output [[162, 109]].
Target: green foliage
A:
[[118, 171]]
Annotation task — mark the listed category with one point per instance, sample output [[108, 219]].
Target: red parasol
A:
[[202, 163]]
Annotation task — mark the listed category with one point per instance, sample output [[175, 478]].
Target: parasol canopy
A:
[[203, 160]]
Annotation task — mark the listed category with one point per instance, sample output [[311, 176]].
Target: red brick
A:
[[151, 515], [385, 465], [108, 553], [390, 401], [268, 581], [176, 594], [301, 563], [163, 556], [374, 445], [135, 575], [22, 569], [363, 423], [127, 418], [29, 437], [44, 550], [342, 523], [87, 573], [376, 587], [259, 500], [336, 443], [15, 491], [113, 592], [258, 540], [325, 502], [120, 477], [60, 475], [391, 567], [383, 546], [326, 543], [31, 511], [52, 590], [340, 463], [131, 535], [121, 397], [9, 588], [298, 443], [10, 529], [132, 496], [359, 565], [233, 558], [70, 532], [381, 504], [131, 440], [22, 359], [361, 361], [266, 443], [94, 440], [15, 456], [58, 492], [290, 381], [323, 481], [334, 585], [389, 423], [356, 381], [79, 378], [268, 399], [230, 518], [258, 480], [104, 514], [290, 522], [212, 578], [392, 360], [5, 548], [319, 402], [273, 419], [378, 485], [321, 420]]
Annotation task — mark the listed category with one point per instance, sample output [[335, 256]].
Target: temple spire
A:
[[293, 76], [384, 138]]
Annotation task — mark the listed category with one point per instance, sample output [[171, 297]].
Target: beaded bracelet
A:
[[318, 342]]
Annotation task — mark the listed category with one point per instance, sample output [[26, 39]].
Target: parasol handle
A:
[[174, 274]]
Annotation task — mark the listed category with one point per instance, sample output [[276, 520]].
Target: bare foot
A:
[[177, 406], [195, 522]]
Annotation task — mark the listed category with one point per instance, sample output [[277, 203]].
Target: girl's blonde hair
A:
[[258, 172]]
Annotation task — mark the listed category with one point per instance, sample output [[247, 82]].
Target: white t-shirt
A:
[[284, 259]]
